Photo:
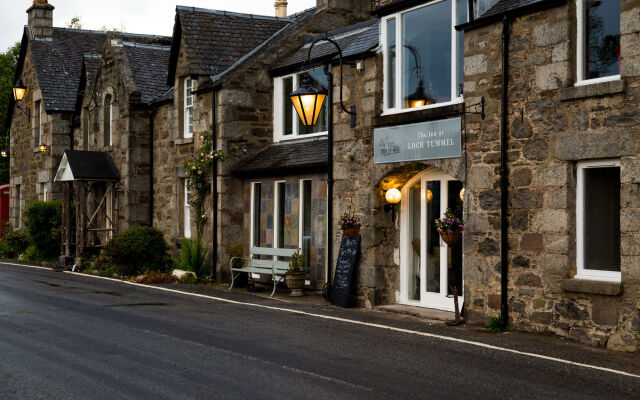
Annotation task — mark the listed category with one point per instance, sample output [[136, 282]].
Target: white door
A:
[[430, 269]]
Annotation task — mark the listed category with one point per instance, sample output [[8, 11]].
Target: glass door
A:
[[431, 270]]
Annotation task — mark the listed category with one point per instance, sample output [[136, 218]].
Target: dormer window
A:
[[188, 108], [108, 120], [598, 40], [286, 123], [423, 56]]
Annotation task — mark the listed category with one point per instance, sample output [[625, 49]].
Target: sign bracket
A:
[[473, 108]]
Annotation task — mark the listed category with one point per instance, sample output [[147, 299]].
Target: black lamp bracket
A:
[[26, 111], [477, 108], [352, 110]]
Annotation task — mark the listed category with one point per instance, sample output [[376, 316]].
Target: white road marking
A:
[[27, 266], [369, 324]]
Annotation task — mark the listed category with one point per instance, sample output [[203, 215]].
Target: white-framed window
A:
[[304, 230], [187, 209], [286, 122], [598, 220], [43, 191], [108, 120], [256, 210], [423, 56], [38, 122], [188, 108], [598, 49]]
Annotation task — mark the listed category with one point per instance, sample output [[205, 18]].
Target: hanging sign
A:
[[430, 140]]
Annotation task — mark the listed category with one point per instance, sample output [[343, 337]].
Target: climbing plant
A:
[[196, 167]]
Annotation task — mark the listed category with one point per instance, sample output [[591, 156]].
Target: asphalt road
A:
[[65, 336]]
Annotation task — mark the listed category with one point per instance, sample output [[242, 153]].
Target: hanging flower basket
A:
[[451, 238], [351, 231], [450, 227], [350, 225]]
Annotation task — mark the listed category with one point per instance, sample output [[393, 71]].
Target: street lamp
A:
[[42, 148], [19, 90], [393, 197], [308, 101]]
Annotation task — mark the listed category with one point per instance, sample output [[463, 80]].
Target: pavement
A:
[[69, 336]]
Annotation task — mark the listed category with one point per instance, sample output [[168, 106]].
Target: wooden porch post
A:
[[81, 221]]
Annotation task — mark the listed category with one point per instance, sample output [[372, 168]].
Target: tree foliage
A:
[[8, 62]]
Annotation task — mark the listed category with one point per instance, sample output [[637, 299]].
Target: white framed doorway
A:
[[429, 268]]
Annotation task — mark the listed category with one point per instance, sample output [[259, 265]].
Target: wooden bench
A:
[[274, 267]]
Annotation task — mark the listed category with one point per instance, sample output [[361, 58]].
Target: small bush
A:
[[33, 254], [193, 258], [495, 325], [44, 220], [4, 250], [138, 250], [17, 243]]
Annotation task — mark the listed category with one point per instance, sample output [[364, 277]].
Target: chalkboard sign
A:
[[349, 249]]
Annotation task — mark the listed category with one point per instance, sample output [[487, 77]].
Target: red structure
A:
[[4, 207]]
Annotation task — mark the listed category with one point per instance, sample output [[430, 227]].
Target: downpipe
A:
[[504, 181]]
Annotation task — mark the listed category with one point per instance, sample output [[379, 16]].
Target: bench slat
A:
[[268, 251]]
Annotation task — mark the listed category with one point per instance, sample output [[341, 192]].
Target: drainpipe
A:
[[329, 174], [152, 118], [214, 136], [504, 183]]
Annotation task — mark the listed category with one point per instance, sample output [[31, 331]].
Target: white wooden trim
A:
[[187, 210], [187, 133], [615, 276], [598, 80], [252, 213], [276, 212]]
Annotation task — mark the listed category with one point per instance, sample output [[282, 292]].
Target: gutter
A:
[[504, 180]]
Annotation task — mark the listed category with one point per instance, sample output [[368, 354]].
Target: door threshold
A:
[[420, 312]]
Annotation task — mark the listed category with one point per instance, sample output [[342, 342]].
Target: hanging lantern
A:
[[308, 101], [4, 153], [43, 148], [19, 90]]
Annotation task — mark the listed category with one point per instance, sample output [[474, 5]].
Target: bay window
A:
[[598, 40], [423, 56], [286, 123], [598, 220]]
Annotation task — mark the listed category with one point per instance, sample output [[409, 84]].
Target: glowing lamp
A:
[[43, 148], [462, 194], [308, 101], [19, 90], [429, 196], [393, 196], [4, 153]]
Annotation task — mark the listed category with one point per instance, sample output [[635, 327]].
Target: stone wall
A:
[[30, 168], [552, 126]]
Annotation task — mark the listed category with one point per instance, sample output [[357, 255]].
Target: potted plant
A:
[[350, 224], [295, 276], [450, 227]]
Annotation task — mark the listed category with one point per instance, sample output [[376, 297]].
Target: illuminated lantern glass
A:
[[307, 101], [393, 196], [429, 196], [419, 98], [19, 90], [43, 148], [4, 153], [462, 194]]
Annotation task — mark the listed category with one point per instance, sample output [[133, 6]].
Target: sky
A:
[[137, 16]]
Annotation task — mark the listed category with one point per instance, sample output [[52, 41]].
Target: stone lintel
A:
[[585, 146], [594, 287], [592, 90]]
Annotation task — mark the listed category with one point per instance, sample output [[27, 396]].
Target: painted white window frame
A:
[[252, 214], [43, 190], [279, 101], [591, 274], [111, 123], [455, 98], [40, 109], [187, 210], [301, 199], [188, 108], [581, 54]]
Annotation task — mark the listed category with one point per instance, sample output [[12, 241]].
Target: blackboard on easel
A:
[[349, 249]]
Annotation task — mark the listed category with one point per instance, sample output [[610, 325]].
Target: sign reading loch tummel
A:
[[422, 141]]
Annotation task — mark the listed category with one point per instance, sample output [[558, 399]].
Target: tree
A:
[[74, 23], [8, 62]]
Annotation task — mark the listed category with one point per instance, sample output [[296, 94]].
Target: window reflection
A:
[[602, 47]]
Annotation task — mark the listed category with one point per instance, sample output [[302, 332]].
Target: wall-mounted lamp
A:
[[4, 153], [393, 197], [462, 194], [19, 90], [43, 148]]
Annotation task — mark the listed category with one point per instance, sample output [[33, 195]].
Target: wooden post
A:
[[68, 192]]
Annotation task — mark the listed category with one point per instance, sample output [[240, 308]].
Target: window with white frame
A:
[[108, 120], [423, 56], [598, 40], [598, 220], [188, 108], [187, 209], [287, 124], [43, 191], [38, 122], [109, 214]]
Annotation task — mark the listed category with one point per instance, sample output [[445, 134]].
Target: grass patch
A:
[[494, 325]]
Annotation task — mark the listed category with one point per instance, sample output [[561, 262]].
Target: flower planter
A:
[[295, 282], [451, 238], [351, 231]]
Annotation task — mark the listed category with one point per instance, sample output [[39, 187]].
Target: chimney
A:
[[281, 8], [41, 19]]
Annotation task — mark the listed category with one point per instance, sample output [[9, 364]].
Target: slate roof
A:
[[58, 63], [91, 166], [287, 157], [354, 40], [150, 65], [216, 39]]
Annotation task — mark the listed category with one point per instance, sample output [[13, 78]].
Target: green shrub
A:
[[33, 254], [17, 243], [138, 250], [44, 220], [4, 250], [193, 258], [494, 325]]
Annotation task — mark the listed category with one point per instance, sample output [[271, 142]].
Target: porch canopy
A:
[[77, 165]]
